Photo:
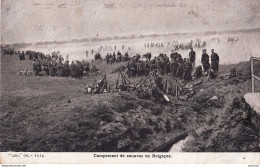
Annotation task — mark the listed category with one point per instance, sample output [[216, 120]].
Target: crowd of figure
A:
[[176, 45], [176, 65], [116, 58], [56, 65]]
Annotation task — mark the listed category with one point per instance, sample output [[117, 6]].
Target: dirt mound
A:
[[237, 131]]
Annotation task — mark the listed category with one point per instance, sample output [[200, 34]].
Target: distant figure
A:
[[214, 61], [86, 53], [92, 51], [192, 56], [205, 60], [123, 47], [115, 47]]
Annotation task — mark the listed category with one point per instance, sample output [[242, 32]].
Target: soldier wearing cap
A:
[[214, 60]]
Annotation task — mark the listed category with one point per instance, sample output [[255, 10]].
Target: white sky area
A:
[[28, 21]]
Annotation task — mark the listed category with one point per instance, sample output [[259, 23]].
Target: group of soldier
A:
[[55, 65], [176, 66], [21, 55], [115, 58], [48, 65], [176, 45]]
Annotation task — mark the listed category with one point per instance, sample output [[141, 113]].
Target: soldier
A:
[[187, 68], [174, 67], [159, 81], [129, 70], [214, 60], [179, 72], [107, 58], [72, 69], [158, 89], [119, 56], [101, 85], [111, 58], [198, 72], [212, 74], [126, 56], [114, 57], [192, 56], [174, 56], [205, 60], [80, 70]]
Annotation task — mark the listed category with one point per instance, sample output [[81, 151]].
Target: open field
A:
[[36, 114]]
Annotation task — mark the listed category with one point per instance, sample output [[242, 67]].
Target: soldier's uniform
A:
[[174, 67], [107, 58], [214, 61], [205, 61], [179, 72], [187, 68], [198, 72], [192, 57]]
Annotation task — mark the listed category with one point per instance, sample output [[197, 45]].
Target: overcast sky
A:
[[58, 20]]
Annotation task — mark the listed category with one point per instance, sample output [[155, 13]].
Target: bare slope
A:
[[37, 116]]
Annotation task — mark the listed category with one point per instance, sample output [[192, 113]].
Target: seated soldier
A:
[[212, 74], [198, 72], [101, 85], [233, 72]]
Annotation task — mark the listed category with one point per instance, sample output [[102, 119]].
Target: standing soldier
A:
[[179, 72], [187, 68], [214, 61], [192, 56], [126, 56], [205, 60], [114, 57], [86, 53], [107, 58], [174, 67], [92, 52]]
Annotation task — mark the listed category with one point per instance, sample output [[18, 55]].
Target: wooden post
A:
[[176, 89], [252, 75]]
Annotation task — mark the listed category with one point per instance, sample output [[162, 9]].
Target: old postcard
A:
[[130, 81]]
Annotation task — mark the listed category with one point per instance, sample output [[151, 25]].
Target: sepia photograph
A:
[[144, 76]]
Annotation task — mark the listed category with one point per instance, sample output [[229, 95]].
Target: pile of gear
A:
[[26, 72], [154, 86], [122, 84], [231, 74], [159, 88]]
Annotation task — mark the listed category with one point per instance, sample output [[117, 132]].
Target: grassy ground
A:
[[36, 114]]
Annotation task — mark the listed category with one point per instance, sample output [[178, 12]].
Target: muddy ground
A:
[[53, 114]]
